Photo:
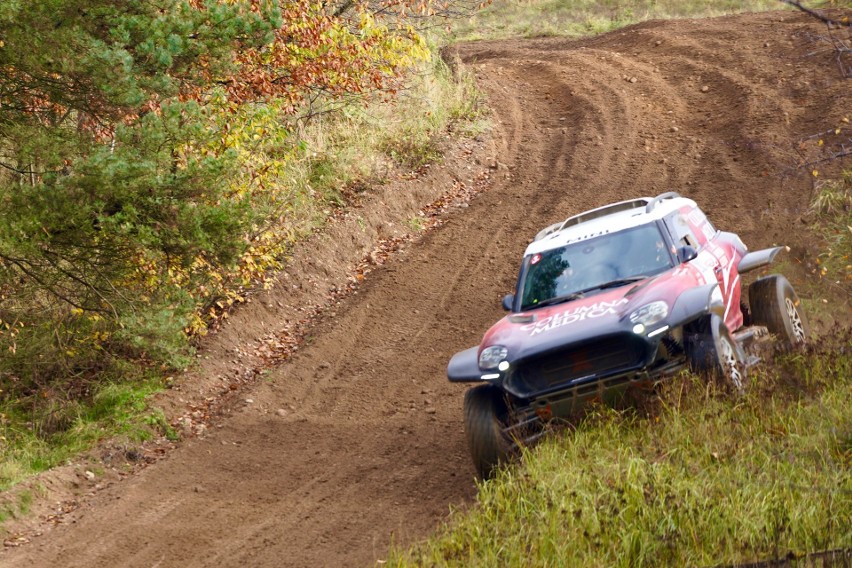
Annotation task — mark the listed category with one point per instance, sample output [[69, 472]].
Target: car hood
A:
[[607, 312]]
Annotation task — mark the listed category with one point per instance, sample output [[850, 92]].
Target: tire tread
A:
[[483, 409], [766, 298]]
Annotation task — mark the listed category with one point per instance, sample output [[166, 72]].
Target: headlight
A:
[[650, 314], [492, 356]]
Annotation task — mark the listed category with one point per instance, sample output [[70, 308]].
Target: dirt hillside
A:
[[356, 441]]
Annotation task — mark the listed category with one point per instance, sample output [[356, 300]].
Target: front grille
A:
[[596, 358]]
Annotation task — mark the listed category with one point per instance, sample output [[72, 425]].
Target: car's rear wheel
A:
[[486, 416], [713, 351], [774, 304]]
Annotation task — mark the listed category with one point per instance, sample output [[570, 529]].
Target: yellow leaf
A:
[[820, 143], [815, 173]]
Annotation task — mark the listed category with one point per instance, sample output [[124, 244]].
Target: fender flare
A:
[[695, 303], [464, 366]]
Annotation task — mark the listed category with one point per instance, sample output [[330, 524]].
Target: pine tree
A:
[[99, 188]]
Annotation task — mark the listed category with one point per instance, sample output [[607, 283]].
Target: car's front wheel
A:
[[486, 416], [714, 351], [774, 304]]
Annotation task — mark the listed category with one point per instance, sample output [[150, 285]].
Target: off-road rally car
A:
[[611, 302]]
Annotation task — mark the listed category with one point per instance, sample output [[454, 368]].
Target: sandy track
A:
[[373, 451]]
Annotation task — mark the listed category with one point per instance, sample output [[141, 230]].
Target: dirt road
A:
[[357, 441]]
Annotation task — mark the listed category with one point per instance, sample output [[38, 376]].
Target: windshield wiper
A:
[[617, 283], [558, 299]]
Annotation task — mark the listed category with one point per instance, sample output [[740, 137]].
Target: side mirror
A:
[[685, 254], [508, 300]]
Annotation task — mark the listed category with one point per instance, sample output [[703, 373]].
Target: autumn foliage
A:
[[144, 150]]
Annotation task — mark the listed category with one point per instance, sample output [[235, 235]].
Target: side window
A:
[[680, 231], [701, 226]]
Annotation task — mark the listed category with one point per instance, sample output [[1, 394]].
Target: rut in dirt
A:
[[372, 450]]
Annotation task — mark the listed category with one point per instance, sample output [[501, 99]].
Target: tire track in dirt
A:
[[368, 445]]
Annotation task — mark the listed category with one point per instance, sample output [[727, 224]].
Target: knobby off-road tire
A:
[[485, 417], [714, 352], [774, 304]]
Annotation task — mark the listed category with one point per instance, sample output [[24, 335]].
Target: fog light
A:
[[503, 366], [638, 328]]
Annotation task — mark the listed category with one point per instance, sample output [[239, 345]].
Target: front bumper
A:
[[578, 363], [611, 390], [562, 381]]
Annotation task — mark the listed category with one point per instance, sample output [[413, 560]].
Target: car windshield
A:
[[565, 272]]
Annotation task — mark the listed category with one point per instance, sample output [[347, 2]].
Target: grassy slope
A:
[[710, 479], [533, 18]]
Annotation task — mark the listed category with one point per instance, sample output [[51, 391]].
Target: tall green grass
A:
[[534, 18], [709, 480]]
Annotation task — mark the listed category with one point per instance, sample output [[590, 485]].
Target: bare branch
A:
[[22, 264], [817, 15], [16, 170]]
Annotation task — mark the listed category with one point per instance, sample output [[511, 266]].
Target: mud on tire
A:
[[774, 304], [485, 417], [713, 351]]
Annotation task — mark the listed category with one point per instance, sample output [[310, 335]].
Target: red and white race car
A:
[[613, 299]]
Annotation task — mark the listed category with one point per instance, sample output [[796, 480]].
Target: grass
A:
[[415, 223], [825, 283], [709, 480], [833, 209], [572, 18], [19, 508], [37, 436], [366, 144]]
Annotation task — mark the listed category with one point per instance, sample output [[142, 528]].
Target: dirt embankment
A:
[[356, 440]]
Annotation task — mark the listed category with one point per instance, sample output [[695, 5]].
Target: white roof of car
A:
[[607, 219]]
